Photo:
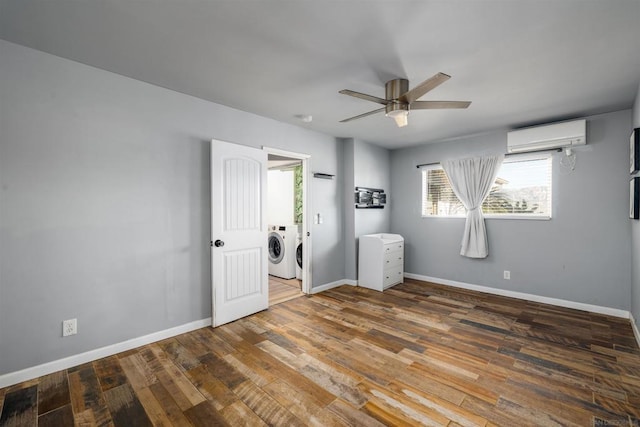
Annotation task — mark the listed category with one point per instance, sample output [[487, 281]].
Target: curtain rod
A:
[[506, 155]]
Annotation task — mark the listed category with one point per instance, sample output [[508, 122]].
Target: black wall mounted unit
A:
[[370, 198], [322, 175]]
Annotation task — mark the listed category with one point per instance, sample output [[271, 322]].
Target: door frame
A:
[[306, 213]]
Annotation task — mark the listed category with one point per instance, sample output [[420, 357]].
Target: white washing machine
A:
[[282, 250], [299, 256]]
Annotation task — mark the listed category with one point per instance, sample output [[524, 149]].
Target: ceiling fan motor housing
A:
[[393, 90]]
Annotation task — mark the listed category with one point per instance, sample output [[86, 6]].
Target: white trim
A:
[[285, 153], [521, 295], [332, 285], [307, 244], [513, 158], [494, 216], [636, 332], [68, 362], [521, 216]]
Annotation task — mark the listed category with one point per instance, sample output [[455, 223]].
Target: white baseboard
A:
[[634, 326], [78, 359], [327, 286], [521, 295]]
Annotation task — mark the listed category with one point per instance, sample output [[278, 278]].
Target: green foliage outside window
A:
[[297, 194]]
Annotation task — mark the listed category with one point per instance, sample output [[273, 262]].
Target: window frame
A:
[[511, 159]]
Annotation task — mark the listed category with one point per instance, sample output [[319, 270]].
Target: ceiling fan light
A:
[[400, 117]]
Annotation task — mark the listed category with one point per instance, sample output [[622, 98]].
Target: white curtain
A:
[[471, 180]]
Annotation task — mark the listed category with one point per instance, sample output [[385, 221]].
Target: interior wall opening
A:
[[285, 220]]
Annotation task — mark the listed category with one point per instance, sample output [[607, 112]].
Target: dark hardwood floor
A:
[[416, 354]]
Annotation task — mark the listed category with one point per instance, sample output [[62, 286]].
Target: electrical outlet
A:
[[507, 275], [69, 327]]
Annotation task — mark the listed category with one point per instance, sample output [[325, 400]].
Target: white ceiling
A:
[[520, 62]]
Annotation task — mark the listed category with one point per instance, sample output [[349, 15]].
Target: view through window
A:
[[522, 189]]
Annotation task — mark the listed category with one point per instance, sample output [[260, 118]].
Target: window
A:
[[521, 190]]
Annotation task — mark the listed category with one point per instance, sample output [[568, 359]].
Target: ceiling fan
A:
[[399, 100]]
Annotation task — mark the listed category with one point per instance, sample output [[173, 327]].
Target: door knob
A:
[[219, 243]]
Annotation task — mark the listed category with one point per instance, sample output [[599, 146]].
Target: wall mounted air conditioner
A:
[[547, 137]]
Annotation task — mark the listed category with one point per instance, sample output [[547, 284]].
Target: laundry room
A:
[[284, 219]]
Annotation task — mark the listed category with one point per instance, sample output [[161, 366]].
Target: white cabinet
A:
[[380, 261]]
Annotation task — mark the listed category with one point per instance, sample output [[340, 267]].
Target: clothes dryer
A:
[[299, 256]]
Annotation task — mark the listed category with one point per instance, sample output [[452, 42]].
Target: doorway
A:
[[287, 225]]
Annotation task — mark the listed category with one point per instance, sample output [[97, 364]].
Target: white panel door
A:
[[238, 231]]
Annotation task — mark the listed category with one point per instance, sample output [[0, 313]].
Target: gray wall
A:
[[104, 204], [366, 165], [581, 255], [349, 217], [635, 238]]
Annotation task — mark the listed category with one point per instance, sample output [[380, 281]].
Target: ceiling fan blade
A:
[[436, 105], [362, 115], [424, 87], [364, 96]]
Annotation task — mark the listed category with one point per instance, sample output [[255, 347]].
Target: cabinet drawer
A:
[[391, 247], [391, 276], [392, 259]]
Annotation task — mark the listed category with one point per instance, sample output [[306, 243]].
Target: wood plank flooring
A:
[[417, 354], [281, 290]]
